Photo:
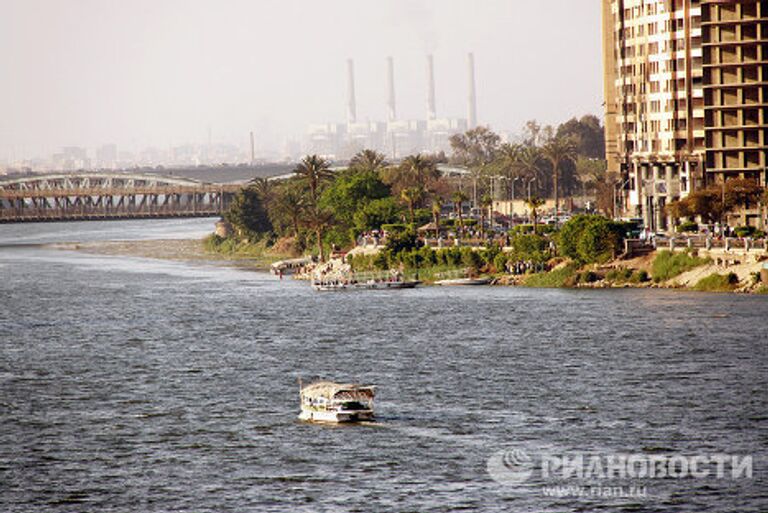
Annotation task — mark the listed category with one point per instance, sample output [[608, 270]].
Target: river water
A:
[[130, 384]]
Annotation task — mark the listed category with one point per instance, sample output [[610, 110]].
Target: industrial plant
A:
[[394, 137]]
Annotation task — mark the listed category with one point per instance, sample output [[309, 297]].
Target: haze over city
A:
[[166, 73]]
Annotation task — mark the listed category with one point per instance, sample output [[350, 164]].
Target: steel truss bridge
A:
[[93, 196]]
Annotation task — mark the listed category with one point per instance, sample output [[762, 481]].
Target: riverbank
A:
[[181, 250], [699, 274], [634, 273]]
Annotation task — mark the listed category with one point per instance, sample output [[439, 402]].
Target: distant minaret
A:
[[431, 111], [391, 109], [472, 105], [351, 104]]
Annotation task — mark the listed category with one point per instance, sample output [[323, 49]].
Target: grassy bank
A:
[[718, 283], [230, 248], [557, 278], [667, 264]]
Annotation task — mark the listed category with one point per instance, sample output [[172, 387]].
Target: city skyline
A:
[[170, 73]]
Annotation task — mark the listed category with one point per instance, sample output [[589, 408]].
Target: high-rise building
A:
[[686, 90]]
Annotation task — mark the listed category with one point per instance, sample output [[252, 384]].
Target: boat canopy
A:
[[339, 391], [291, 263]]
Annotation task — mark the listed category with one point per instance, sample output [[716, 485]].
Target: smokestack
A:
[[253, 150], [472, 105], [351, 105], [391, 110], [431, 112]]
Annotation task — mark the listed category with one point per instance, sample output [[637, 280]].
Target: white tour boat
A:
[[340, 284], [362, 281], [289, 266], [325, 401]]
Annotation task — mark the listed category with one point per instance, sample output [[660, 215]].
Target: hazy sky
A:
[[160, 72]]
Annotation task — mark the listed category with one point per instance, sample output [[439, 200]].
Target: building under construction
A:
[[394, 137], [686, 89]]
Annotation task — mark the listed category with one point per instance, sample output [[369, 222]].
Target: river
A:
[[131, 384]]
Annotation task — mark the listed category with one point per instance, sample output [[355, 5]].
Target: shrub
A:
[[599, 242], [587, 277], [500, 262], [381, 260], [640, 276], [529, 247], [541, 229], [667, 264], [718, 283], [590, 238], [749, 231], [471, 258], [619, 275], [393, 228], [688, 227]]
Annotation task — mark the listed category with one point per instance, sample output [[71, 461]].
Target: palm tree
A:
[[290, 205], [458, 198], [368, 160], [534, 203], [265, 190], [559, 150], [420, 170], [485, 202], [319, 221], [509, 154], [528, 161], [411, 196], [314, 171], [437, 208]]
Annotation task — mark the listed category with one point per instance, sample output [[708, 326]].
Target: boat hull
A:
[[463, 282], [335, 417]]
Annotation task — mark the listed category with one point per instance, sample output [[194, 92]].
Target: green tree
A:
[[590, 238], [529, 246], [476, 147], [559, 150], [534, 203], [376, 213], [350, 191], [588, 135], [247, 214]]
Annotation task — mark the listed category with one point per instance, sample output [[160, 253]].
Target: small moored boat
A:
[[463, 281], [326, 401]]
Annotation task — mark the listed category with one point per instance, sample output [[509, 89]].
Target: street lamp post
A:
[[529, 187]]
